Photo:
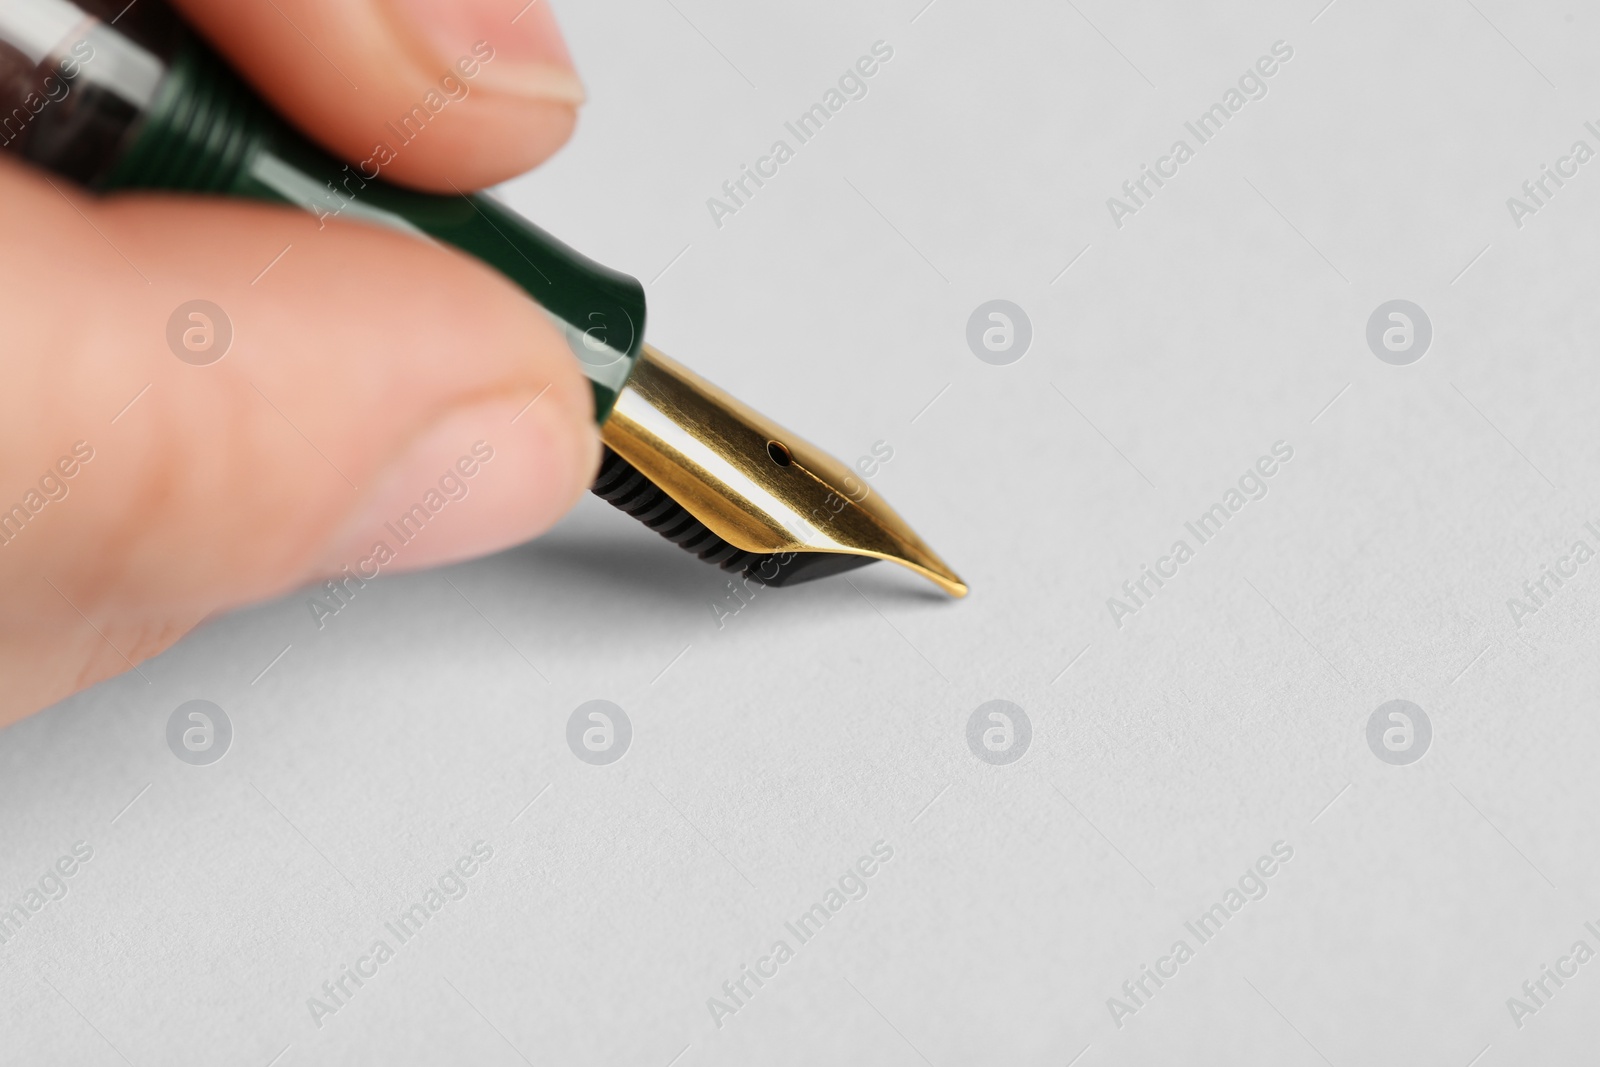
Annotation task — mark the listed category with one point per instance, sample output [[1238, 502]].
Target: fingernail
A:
[[482, 478], [498, 44]]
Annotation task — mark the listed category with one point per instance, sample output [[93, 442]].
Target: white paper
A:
[[1168, 754]]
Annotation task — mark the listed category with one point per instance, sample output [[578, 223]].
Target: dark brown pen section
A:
[[624, 488]]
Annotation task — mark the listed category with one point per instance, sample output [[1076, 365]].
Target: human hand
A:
[[140, 493]]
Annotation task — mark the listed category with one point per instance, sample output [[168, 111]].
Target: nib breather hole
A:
[[780, 455]]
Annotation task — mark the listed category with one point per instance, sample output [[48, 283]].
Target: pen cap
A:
[[120, 95]]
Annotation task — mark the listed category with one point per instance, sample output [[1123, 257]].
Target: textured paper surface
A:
[[1171, 748]]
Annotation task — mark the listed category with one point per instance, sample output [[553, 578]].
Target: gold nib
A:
[[751, 482]]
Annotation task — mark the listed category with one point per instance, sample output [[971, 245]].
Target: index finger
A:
[[452, 93]]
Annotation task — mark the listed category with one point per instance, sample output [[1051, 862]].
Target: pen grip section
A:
[[205, 130]]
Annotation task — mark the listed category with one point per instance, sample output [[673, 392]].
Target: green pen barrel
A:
[[137, 101]]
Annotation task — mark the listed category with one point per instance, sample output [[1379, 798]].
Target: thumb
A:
[[347, 397]]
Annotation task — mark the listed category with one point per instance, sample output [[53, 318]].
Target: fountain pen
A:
[[125, 96]]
